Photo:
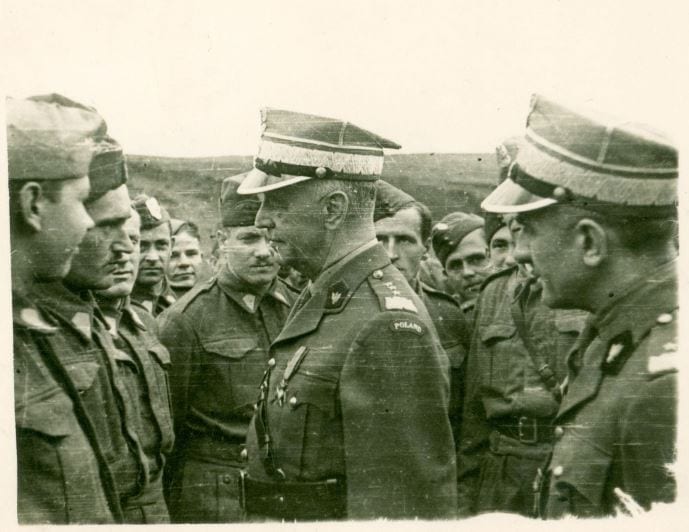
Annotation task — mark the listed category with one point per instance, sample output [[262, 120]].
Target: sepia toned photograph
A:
[[319, 262]]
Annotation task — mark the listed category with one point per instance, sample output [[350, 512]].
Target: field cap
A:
[[593, 161], [51, 137], [151, 212], [296, 147], [108, 169], [236, 210], [450, 231], [389, 200]]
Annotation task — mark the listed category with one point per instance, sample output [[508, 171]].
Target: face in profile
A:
[[249, 255], [400, 235], [94, 266], [185, 261]]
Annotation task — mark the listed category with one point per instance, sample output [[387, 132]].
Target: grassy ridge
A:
[[188, 187]]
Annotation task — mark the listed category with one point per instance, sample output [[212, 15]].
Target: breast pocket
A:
[[503, 367], [310, 437], [232, 369]]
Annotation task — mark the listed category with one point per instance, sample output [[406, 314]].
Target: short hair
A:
[[426, 224], [189, 228], [361, 194]]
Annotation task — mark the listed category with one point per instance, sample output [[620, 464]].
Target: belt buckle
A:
[[530, 424]]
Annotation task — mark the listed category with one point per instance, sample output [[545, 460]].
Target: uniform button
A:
[[271, 362], [378, 274], [281, 499], [227, 479], [255, 407], [664, 318], [558, 470], [559, 431], [244, 454], [293, 401]]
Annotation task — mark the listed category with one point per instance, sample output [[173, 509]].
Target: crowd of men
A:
[[340, 356]]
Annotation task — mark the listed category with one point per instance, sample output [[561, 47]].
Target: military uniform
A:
[[219, 335], [154, 304], [352, 420], [616, 426], [63, 474], [453, 332], [123, 392], [514, 369]]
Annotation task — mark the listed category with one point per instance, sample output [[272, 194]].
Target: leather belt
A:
[[216, 450], [293, 501], [525, 429]]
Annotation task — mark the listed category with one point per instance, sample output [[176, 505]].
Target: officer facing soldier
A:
[[339, 431], [597, 199]]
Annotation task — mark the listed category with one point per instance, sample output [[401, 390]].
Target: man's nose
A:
[[263, 218], [390, 246], [522, 251], [122, 242], [263, 249]]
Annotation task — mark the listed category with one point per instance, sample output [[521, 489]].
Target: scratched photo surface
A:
[[314, 262]]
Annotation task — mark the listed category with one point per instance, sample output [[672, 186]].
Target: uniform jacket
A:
[[154, 305], [63, 476], [454, 334], [618, 418], [219, 337], [501, 374], [94, 365], [365, 396]]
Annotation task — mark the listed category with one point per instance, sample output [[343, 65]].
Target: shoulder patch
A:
[[500, 273], [407, 326]]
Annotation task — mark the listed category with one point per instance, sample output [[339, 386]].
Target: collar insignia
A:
[[249, 300], [336, 296]]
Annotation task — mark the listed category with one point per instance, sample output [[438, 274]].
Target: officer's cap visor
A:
[[257, 182], [509, 197]]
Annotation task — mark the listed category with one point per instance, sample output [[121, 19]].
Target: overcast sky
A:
[[188, 78]]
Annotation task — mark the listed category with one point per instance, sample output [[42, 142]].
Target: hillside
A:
[[188, 187]]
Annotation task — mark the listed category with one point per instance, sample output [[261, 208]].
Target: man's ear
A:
[[335, 207], [593, 242], [31, 201]]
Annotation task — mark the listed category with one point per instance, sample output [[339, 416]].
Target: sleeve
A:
[[647, 453], [178, 336], [473, 441], [394, 393]]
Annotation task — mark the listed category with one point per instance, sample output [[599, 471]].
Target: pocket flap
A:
[[230, 347], [53, 416], [496, 331], [313, 391]]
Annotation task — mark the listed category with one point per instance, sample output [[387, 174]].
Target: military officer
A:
[[403, 227], [597, 199], [514, 370], [352, 419], [219, 335], [62, 475], [459, 242], [151, 290], [123, 393]]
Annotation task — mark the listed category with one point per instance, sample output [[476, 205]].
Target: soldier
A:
[[597, 199], [403, 227], [62, 475], [123, 389], [187, 266], [219, 335], [352, 420], [500, 242], [514, 370], [459, 242], [151, 290]]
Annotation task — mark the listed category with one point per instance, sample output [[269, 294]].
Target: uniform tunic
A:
[[357, 397], [219, 335], [63, 476], [617, 423], [497, 465], [94, 363]]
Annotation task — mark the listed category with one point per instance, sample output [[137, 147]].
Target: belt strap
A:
[[293, 501], [525, 429]]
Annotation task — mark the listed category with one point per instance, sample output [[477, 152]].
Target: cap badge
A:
[[154, 208]]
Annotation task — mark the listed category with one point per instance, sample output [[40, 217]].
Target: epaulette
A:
[[390, 297], [434, 292], [498, 274], [187, 299], [662, 346], [31, 318]]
